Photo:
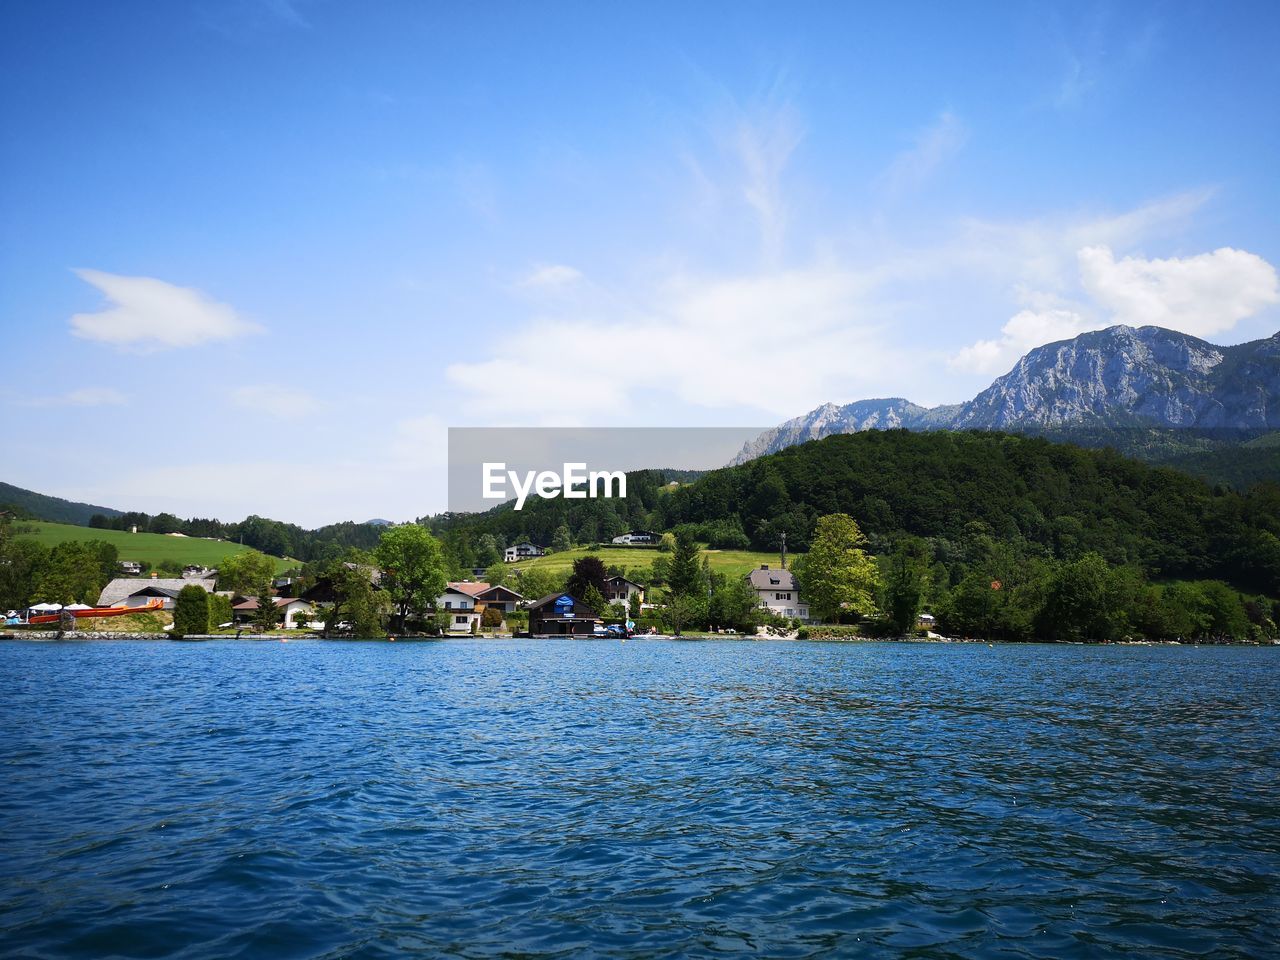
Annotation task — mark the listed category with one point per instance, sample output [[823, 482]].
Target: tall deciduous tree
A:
[[245, 572], [413, 570], [588, 573], [906, 577], [838, 573]]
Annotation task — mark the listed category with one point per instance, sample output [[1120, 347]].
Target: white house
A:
[[636, 537], [459, 602], [286, 607], [521, 551], [778, 591], [621, 590]]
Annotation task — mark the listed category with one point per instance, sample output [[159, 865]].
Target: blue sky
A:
[[261, 253]]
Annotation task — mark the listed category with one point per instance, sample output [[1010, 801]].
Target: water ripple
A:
[[633, 800]]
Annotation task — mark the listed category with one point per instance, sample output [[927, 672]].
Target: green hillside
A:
[[734, 563], [144, 547], [31, 504]]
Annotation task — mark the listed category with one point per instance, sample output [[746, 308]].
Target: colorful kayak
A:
[[155, 603]]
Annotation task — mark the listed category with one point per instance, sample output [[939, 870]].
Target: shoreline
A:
[[94, 636]]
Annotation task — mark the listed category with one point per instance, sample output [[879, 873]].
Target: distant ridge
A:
[[1121, 377], [55, 509]]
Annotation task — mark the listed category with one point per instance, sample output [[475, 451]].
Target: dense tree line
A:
[[1043, 499], [269, 536]]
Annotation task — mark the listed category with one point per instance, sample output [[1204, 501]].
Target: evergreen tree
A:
[[267, 615], [685, 576], [191, 611]]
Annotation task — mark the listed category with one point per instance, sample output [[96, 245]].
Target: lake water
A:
[[542, 798]]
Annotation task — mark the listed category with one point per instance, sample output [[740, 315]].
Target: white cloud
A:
[[149, 314], [934, 145], [1024, 331], [281, 402], [775, 341], [1200, 295], [84, 397], [551, 276]]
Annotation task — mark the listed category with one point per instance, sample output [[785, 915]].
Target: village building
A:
[[460, 606], [132, 567], [522, 551], [465, 601], [637, 538], [139, 591], [561, 615], [247, 610], [322, 589], [621, 590], [498, 597], [778, 591]]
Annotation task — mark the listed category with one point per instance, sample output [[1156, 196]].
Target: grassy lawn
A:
[[143, 547], [730, 562]]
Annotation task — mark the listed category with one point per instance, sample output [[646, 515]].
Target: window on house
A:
[[459, 619]]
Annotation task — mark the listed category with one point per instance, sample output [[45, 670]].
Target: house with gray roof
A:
[[138, 591], [779, 591]]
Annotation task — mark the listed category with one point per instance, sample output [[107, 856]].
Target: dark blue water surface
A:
[[539, 798]]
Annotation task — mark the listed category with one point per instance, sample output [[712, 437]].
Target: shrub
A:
[[833, 632], [219, 610], [191, 611], [491, 619]]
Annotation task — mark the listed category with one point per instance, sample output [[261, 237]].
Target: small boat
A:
[[93, 613]]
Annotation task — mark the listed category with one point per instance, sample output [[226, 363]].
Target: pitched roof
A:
[[122, 587], [623, 580], [766, 579], [578, 606], [469, 587], [492, 593], [251, 603]]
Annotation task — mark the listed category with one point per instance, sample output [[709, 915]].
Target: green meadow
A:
[[150, 548], [729, 562]]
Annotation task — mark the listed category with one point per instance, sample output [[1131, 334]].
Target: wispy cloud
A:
[[149, 314], [811, 329], [283, 403], [933, 146], [550, 276], [83, 397], [765, 137]]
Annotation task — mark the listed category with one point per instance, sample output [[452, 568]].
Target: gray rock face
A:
[[1120, 376], [830, 419]]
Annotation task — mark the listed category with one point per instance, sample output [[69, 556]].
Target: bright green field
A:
[[143, 547], [730, 562]]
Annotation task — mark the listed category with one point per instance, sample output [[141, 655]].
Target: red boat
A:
[[155, 603]]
